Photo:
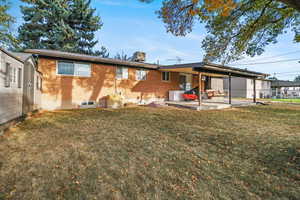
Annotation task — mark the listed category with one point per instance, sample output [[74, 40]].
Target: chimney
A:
[[139, 56]]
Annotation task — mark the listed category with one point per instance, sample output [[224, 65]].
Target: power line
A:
[[261, 63], [284, 54], [278, 55], [287, 72], [283, 75]]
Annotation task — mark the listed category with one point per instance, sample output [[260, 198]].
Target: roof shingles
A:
[[83, 57]]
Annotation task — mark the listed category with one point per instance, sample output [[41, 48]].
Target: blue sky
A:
[[131, 26]]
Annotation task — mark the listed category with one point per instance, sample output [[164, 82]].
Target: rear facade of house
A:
[[72, 83], [71, 80]]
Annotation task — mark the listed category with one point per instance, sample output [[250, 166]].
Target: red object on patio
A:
[[189, 97]]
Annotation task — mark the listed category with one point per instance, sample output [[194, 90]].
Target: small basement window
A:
[[91, 103], [88, 103]]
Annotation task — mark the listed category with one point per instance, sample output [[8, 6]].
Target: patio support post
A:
[[254, 90], [199, 90], [229, 87]]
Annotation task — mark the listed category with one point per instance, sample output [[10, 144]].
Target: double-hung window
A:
[[121, 73], [166, 76], [73, 69], [82, 70], [141, 75]]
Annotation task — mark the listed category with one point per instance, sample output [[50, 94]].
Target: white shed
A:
[[11, 86]]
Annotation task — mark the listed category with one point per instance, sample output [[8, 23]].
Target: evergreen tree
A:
[[67, 25], [6, 37]]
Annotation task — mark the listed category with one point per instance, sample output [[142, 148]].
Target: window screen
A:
[[122, 73], [65, 68], [141, 75], [82, 69], [74, 69], [166, 76]]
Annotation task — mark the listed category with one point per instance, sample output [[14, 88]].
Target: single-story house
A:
[[243, 87], [11, 86], [70, 80], [285, 89]]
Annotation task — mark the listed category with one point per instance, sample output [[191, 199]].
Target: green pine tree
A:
[[6, 37], [67, 25]]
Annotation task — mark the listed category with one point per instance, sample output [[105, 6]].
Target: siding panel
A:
[[10, 97]]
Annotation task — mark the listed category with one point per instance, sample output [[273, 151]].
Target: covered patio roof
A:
[[211, 69]]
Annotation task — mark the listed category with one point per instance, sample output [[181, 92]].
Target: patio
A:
[[210, 104], [210, 98]]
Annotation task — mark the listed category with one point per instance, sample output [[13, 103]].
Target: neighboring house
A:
[[285, 89], [11, 86], [71, 80], [244, 87]]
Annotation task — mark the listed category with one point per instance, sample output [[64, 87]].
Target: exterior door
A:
[[185, 81], [28, 88], [182, 82]]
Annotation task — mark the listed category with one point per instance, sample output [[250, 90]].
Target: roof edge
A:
[[11, 55], [84, 57], [202, 64]]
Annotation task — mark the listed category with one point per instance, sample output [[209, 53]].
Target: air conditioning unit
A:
[[176, 95]]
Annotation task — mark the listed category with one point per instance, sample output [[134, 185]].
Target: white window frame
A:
[[137, 75], [163, 76], [124, 74], [74, 63]]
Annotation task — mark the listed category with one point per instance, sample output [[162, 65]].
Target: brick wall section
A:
[[69, 91]]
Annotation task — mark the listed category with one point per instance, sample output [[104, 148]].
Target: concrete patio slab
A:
[[209, 104], [195, 106]]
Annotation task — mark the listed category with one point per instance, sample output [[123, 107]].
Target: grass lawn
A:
[[154, 153], [287, 100]]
